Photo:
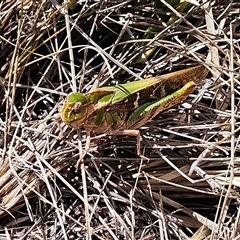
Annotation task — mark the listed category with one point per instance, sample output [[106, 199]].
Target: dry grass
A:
[[190, 187]]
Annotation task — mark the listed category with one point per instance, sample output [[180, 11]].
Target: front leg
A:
[[86, 149]]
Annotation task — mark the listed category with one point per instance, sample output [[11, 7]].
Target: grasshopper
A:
[[122, 109]]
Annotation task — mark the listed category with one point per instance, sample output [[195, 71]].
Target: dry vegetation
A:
[[189, 189]]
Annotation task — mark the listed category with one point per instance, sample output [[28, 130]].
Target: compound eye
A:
[[77, 107]]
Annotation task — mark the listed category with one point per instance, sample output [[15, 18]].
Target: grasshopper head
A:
[[74, 109]]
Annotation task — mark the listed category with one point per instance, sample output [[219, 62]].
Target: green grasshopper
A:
[[124, 108]]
